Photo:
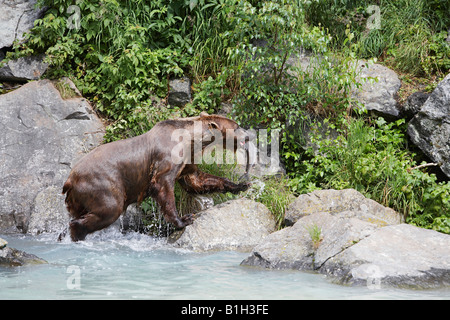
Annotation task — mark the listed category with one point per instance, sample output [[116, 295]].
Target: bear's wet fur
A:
[[114, 175]]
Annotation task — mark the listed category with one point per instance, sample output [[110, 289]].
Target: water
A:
[[110, 265]]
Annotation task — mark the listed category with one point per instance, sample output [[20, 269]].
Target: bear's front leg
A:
[[197, 182]]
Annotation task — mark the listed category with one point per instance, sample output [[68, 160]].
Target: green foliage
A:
[[208, 94], [373, 159], [120, 57], [278, 94], [211, 37], [315, 233], [411, 37], [275, 194]]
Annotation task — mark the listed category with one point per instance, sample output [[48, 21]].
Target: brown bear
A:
[[114, 175]]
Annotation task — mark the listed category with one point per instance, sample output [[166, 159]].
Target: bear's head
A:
[[204, 138], [217, 129]]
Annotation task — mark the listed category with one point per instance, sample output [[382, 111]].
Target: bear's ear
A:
[[203, 114]]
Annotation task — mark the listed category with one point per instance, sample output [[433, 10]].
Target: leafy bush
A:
[[120, 57], [277, 94], [374, 160], [123, 53]]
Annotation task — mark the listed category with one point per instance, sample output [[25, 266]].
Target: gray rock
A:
[[378, 96], [354, 252], [341, 202], [430, 127], [400, 256], [234, 225], [10, 257], [413, 104], [42, 137], [294, 247], [17, 17], [23, 69], [179, 92], [49, 212]]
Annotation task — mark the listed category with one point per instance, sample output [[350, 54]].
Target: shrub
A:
[[374, 160]]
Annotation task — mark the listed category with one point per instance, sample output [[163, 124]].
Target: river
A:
[[112, 265]]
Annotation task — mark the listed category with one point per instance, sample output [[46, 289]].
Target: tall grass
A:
[[209, 28], [408, 36]]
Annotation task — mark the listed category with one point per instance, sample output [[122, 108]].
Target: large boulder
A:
[[355, 252], [346, 202], [234, 225], [413, 104], [400, 255], [378, 96], [43, 135], [430, 127], [17, 17], [298, 248], [379, 88]]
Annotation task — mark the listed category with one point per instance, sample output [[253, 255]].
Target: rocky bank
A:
[[340, 233]]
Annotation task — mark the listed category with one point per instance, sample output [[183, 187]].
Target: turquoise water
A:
[[111, 265]]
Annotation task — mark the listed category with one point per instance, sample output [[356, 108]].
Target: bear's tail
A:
[[67, 186]]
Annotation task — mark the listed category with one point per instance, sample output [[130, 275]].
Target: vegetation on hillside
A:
[[121, 55]]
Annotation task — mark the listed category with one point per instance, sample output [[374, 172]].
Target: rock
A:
[[430, 127], [294, 247], [131, 219], [23, 69], [179, 92], [10, 257], [17, 17], [49, 212], [42, 137], [378, 96], [396, 256], [413, 104], [355, 252], [345, 202], [234, 225]]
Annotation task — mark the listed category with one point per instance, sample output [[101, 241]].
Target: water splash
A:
[[256, 189], [203, 202]]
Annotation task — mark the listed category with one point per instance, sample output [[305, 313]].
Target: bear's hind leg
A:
[[93, 221]]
